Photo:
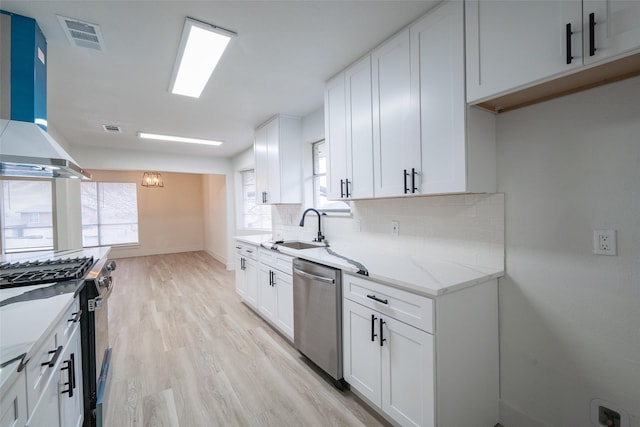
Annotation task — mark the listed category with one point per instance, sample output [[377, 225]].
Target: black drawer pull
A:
[[373, 297], [405, 189], [341, 188], [56, 353], [413, 180], [382, 339], [76, 316], [348, 193], [69, 366]]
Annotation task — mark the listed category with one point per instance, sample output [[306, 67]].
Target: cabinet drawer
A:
[[69, 321], [407, 307], [276, 260], [246, 250]]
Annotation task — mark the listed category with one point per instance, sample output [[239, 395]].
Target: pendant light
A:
[[152, 179]]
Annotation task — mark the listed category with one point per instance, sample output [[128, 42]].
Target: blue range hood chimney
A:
[[26, 149]]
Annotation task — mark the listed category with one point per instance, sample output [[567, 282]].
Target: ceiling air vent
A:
[[112, 128], [82, 34]]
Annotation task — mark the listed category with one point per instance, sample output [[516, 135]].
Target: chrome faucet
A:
[[320, 237]]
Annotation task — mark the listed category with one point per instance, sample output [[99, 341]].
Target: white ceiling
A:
[[284, 53]]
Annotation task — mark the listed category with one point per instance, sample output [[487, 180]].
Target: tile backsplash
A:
[[466, 228]]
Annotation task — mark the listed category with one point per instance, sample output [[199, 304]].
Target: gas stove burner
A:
[[43, 271]]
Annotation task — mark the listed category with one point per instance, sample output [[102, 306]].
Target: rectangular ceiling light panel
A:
[[201, 47], [159, 137]]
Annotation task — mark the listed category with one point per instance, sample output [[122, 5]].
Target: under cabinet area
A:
[[278, 161], [423, 361], [513, 45]]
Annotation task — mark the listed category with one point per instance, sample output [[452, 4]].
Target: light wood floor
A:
[[187, 352]]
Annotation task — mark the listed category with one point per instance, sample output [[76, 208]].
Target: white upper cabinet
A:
[[512, 43], [457, 142], [336, 135], [349, 130], [277, 148], [359, 130], [615, 25], [517, 43], [396, 142]]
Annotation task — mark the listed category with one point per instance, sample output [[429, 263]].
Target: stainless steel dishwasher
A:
[[317, 316]]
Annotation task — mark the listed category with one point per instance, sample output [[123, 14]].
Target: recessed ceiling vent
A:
[[82, 34], [112, 128]]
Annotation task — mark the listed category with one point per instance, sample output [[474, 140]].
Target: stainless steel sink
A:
[[299, 245]]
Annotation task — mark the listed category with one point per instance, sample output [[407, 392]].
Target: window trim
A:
[[345, 212], [241, 218]]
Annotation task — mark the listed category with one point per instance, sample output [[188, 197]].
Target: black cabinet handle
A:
[[413, 180], [71, 367], [382, 339], [56, 353], [272, 278], [406, 190], [348, 193], [76, 316], [73, 370], [568, 36], [373, 297], [592, 34], [341, 188], [373, 327]]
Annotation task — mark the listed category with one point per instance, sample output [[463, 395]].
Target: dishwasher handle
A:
[[314, 277]]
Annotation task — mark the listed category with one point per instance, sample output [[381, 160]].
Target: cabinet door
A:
[[362, 350], [408, 386], [359, 130], [13, 402], [251, 280], [273, 159], [241, 283], [46, 410], [517, 42], [437, 55], [335, 133], [261, 164], [70, 383], [267, 295], [395, 124], [284, 306], [616, 29]]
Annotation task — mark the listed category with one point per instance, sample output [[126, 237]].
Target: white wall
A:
[[214, 196], [570, 320], [170, 219]]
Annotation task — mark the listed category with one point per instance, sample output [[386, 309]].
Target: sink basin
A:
[[299, 245]]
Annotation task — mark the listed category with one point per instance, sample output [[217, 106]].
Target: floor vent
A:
[[82, 34], [112, 128]]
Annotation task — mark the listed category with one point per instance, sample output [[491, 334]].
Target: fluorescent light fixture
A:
[[178, 139], [201, 47]]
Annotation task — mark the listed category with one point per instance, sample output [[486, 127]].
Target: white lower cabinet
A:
[[13, 403], [54, 377], [264, 280], [390, 363], [247, 273], [423, 361]]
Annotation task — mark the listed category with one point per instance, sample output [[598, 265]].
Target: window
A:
[[27, 215], [109, 213], [254, 216], [320, 201]]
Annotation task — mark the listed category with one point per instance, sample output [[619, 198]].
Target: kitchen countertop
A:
[[28, 314], [415, 273]]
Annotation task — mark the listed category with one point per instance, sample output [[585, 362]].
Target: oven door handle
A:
[[98, 301]]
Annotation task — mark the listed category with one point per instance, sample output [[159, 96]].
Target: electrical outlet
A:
[[395, 228], [604, 242]]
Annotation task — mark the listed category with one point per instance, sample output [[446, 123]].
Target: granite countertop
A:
[[415, 273], [28, 314]]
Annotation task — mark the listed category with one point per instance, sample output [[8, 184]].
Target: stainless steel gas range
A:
[[86, 273]]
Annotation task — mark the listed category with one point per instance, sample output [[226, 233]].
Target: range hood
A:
[[28, 151]]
